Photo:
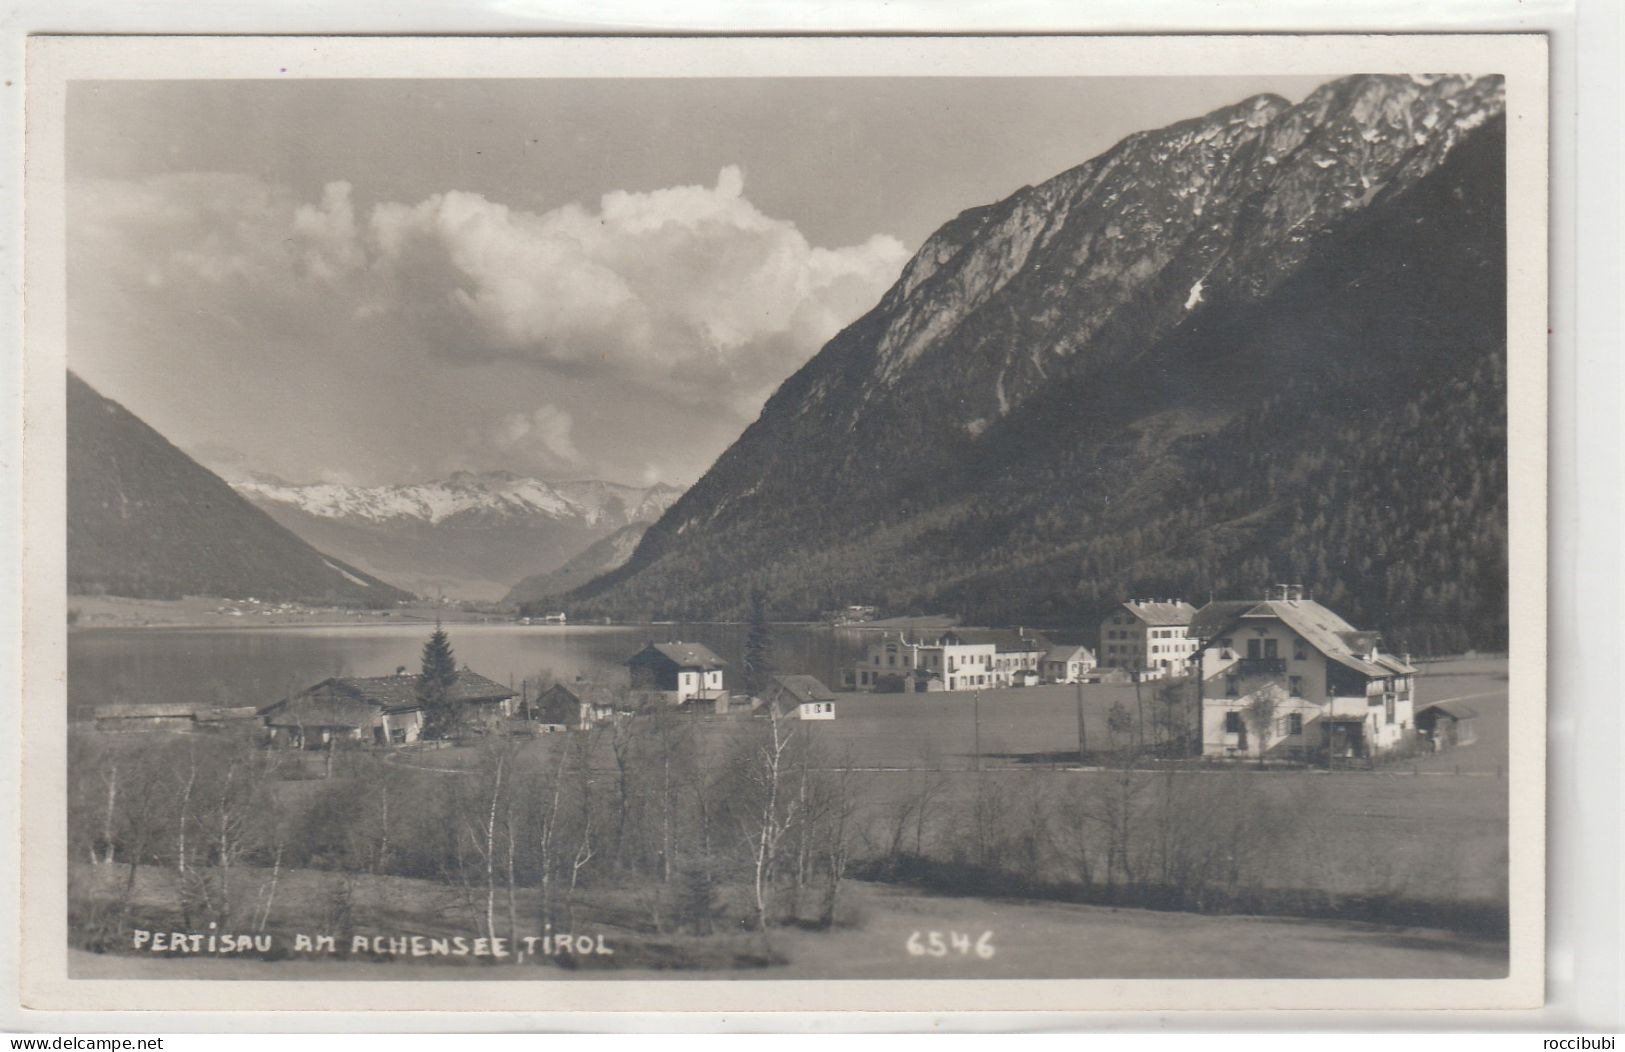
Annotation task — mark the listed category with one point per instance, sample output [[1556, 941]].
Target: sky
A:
[[378, 282]]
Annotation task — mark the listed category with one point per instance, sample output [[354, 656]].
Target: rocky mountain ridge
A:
[[1064, 359]]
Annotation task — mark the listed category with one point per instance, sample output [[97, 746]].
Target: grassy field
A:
[[1028, 940], [1029, 725], [1426, 832], [1432, 827]]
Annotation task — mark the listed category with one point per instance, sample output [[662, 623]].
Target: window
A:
[[1253, 649], [1300, 650], [1231, 687], [1232, 723], [1388, 707], [1295, 686], [1270, 648], [1294, 723]]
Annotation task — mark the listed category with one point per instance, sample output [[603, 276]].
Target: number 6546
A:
[[943, 943]]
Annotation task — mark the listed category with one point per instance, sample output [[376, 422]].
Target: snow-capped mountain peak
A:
[[493, 495]]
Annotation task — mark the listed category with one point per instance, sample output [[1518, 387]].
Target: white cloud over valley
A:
[[690, 295]]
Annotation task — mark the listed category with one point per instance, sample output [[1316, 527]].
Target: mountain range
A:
[[146, 520], [471, 535], [1265, 344], [596, 559]]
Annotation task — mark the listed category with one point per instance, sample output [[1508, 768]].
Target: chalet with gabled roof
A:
[[383, 710], [1067, 664], [1287, 677], [682, 671]]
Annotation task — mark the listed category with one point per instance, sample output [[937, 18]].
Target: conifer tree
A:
[[758, 646], [439, 670]]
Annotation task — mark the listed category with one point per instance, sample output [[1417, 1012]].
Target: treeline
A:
[[1395, 517], [741, 829], [677, 831]]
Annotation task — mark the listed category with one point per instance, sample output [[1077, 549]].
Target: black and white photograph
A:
[[668, 517]]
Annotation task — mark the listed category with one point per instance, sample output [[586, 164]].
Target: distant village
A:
[[1280, 677]]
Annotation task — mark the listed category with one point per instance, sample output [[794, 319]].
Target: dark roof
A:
[[1453, 709], [1159, 614], [240, 712], [1215, 617], [1004, 640], [594, 694], [400, 692], [683, 655], [804, 689], [348, 715], [1320, 628]]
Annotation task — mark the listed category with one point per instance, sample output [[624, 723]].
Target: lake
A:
[[256, 666]]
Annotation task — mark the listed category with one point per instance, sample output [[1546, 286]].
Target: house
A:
[[320, 723], [385, 710], [1016, 653], [1069, 664], [1447, 724], [802, 697], [1148, 634], [576, 707], [1287, 677], [682, 671], [950, 659]]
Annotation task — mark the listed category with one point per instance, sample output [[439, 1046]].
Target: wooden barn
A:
[[573, 707], [1447, 724]]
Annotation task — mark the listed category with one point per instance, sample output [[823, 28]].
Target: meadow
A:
[[706, 846]]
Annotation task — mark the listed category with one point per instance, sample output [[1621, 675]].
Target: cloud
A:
[[668, 315], [689, 287], [328, 234], [542, 435], [691, 290]]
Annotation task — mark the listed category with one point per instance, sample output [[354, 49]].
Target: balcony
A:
[[1261, 666]]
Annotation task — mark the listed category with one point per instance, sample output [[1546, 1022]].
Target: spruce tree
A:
[[439, 670], [758, 647]]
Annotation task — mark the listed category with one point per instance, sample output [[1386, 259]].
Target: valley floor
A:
[[1029, 940]]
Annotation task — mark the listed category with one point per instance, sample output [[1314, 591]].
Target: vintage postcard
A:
[[800, 524]]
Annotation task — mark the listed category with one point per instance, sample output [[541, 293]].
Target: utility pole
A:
[[1139, 716], [1082, 741], [976, 724]]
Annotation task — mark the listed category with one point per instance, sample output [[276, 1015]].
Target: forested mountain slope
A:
[[1267, 344]]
